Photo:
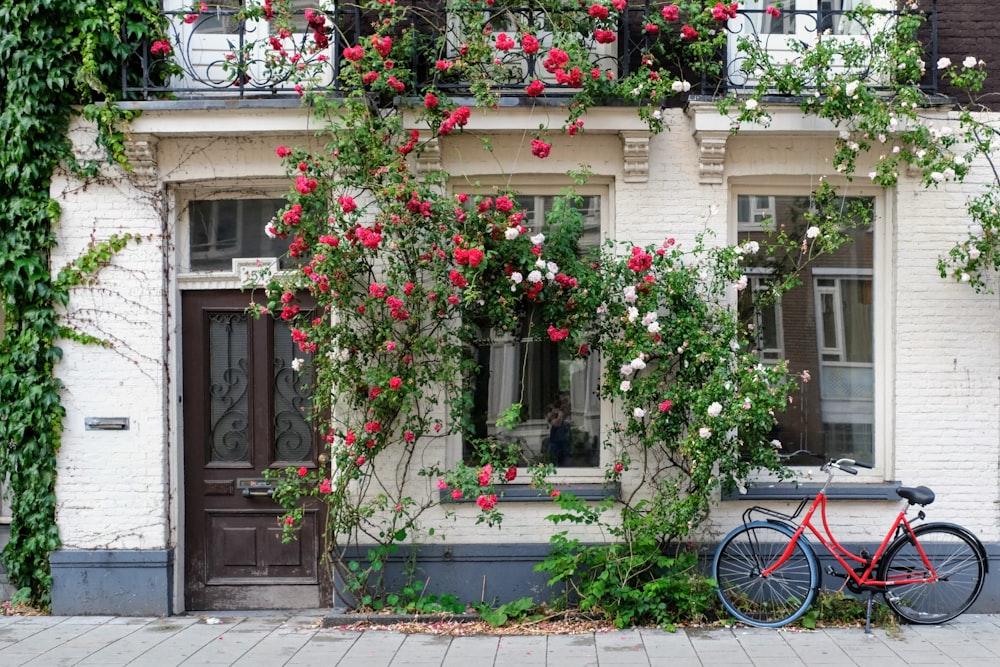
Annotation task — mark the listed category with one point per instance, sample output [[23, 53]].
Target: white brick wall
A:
[[113, 487], [943, 399]]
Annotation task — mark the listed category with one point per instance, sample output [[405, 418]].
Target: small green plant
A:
[[836, 609], [515, 611], [636, 579], [412, 599]]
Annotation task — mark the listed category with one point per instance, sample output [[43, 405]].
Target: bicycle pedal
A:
[[834, 573]]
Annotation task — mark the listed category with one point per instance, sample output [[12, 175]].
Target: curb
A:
[[339, 618]]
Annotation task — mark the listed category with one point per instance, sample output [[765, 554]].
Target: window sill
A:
[[792, 491], [526, 494]]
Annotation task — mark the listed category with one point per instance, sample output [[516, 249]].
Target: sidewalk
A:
[[269, 639]]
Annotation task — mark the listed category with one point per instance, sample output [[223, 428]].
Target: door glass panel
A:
[[292, 403], [229, 437]]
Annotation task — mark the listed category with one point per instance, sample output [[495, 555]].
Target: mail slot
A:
[[254, 486]]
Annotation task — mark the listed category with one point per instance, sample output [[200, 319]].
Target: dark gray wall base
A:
[[6, 590], [497, 574], [112, 582], [493, 573]]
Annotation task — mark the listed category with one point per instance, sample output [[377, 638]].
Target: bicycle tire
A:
[[772, 601], [957, 559]]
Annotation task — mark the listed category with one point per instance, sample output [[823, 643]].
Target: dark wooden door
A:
[[245, 410]]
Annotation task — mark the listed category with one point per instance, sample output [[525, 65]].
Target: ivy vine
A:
[[59, 59]]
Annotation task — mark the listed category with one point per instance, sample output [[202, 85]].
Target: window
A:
[[825, 329], [225, 229], [561, 409], [208, 48], [521, 68], [797, 22]]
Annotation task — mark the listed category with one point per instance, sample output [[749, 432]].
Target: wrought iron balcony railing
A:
[[219, 52]]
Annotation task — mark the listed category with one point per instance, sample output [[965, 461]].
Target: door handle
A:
[[258, 490]]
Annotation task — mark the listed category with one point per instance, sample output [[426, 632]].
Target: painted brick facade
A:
[[939, 360]]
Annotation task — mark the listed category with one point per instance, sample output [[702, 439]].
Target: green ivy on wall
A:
[[56, 57]]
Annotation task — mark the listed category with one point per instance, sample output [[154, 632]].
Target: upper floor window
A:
[[557, 389], [507, 27], [825, 328], [778, 29], [216, 47]]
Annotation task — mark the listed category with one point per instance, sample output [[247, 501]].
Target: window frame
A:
[[882, 275], [241, 268], [538, 187], [751, 21]]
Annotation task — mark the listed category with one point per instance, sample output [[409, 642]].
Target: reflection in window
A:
[[561, 409], [823, 328], [225, 229]]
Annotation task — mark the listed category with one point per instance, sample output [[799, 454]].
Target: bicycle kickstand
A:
[[868, 614]]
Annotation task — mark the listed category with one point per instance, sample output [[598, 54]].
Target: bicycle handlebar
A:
[[846, 465]]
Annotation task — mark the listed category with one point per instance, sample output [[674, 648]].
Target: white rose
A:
[[812, 232], [297, 364], [625, 385], [715, 409], [511, 233], [974, 253], [970, 61], [851, 88], [704, 432], [944, 63], [751, 104], [516, 277], [537, 239], [630, 294], [535, 277], [638, 413]]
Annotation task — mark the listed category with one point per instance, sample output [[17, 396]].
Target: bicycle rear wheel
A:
[[958, 562], [774, 600]]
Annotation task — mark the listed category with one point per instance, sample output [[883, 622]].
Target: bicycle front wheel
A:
[[957, 561], [777, 599]]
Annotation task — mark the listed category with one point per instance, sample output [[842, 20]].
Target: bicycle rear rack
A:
[[767, 511]]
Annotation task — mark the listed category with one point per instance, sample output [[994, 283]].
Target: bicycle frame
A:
[[865, 579]]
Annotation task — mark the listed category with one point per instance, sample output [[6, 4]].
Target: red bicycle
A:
[[768, 573]]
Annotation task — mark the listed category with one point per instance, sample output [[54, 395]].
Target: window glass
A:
[[823, 329], [557, 389], [225, 229]]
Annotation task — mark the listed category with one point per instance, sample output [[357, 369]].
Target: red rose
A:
[[540, 148]]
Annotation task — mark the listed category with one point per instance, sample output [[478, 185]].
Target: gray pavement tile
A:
[[571, 650], [230, 646], [624, 647], [661, 645], [470, 650], [521, 651], [50, 636], [93, 640], [179, 646], [130, 646], [277, 647], [374, 648], [326, 647]]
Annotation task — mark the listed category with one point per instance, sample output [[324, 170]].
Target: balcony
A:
[[220, 53]]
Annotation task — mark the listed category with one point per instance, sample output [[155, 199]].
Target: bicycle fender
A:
[[980, 549]]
